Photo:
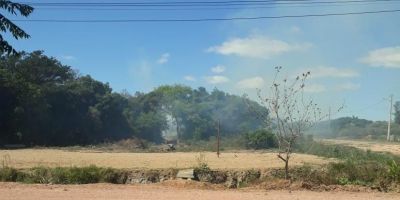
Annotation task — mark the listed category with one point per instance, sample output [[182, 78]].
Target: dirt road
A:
[[13, 191]]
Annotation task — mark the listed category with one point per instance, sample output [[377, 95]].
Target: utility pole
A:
[[330, 122], [390, 117], [218, 137]]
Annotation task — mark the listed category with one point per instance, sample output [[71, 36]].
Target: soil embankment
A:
[[13, 191]]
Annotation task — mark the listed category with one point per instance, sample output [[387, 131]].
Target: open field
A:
[[28, 158], [372, 145], [12, 191]]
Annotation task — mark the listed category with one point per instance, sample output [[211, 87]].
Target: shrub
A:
[[8, 174], [38, 175], [260, 139], [394, 171], [83, 175], [202, 165], [109, 175], [343, 152], [62, 175]]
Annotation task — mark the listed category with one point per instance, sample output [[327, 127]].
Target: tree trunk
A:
[[178, 135], [287, 168]]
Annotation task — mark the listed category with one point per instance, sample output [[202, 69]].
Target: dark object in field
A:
[[171, 147]]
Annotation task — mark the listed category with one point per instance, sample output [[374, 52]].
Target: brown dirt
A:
[[13, 191], [371, 145], [28, 158]]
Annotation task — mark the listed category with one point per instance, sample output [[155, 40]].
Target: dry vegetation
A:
[[378, 146], [28, 158]]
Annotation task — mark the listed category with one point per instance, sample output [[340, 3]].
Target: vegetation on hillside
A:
[[354, 128]]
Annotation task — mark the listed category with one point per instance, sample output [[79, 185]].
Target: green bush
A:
[[109, 175], [38, 175], [357, 172], [8, 174], [342, 152], [83, 175], [62, 175], [202, 165], [260, 139], [394, 171]]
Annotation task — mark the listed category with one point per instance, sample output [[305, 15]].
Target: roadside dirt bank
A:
[[172, 190]]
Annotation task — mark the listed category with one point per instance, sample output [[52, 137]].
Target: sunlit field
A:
[[58, 158]]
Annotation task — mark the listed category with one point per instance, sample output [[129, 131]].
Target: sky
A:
[[354, 60]]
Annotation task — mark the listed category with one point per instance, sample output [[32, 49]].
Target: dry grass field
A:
[[245, 160], [371, 145]]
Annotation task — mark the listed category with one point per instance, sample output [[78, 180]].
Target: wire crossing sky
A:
[[208, 19]]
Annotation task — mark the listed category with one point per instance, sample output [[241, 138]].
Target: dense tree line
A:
[[44, 102]]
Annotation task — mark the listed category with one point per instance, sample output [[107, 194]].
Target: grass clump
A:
[[355, 166], [202, 165], [372, 174], [345, 152], [394, 171], [8, 174], [62, 175]]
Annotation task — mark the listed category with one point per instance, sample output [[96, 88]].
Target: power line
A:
[[204, 19], [201, 8], [366, 108], [195, 3]]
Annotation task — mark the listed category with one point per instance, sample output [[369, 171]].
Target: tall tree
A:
[[7, 25], [397, 112]]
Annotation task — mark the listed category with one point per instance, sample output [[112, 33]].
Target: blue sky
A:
[[353, 59]]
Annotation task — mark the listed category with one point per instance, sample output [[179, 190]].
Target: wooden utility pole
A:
[[330, 122], [390, 117], [218, 137]]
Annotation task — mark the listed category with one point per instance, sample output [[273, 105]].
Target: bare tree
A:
[[289, 112]]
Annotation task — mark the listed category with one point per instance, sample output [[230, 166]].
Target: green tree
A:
[[397, 112], [174, 100], [260, 139], [7, 25]]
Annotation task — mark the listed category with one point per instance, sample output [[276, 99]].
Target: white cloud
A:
[[189, 78], [314, 88], [385, 57], [68, 57], [348, 86], [216, 79], [251, 83], [218, 69], [164, 58], [256, 47], [332, 72]]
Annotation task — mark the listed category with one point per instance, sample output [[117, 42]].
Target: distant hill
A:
[[354, 128]]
